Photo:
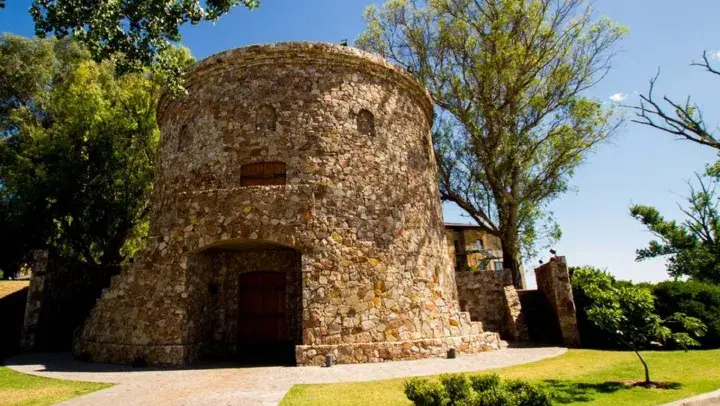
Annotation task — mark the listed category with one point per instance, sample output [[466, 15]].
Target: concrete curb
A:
[[706, 399]]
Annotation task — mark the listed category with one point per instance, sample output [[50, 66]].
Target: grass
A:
[[22, 389], [577, 377], [9, 287]]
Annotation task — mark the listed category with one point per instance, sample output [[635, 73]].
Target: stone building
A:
[[472, 248], [295, 212]]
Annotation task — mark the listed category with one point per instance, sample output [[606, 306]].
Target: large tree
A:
[[508, 78], [77, 152], [692, 248], [141, 31]]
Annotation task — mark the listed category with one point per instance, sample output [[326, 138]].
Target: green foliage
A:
[[627, 313], [692, 247], [77, 153], [508, 79], [480, 390], [138, 33], [696, 299], [424, 392], [585, 281]]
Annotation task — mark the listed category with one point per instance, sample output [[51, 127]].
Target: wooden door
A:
[[262, 316], [263, 173]]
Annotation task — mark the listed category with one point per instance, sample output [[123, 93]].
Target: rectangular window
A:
[[479, 244], [498, 266], [263, 174]]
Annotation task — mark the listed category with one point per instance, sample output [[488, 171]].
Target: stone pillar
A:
[[553, 279], [34, 302], [515, 321]]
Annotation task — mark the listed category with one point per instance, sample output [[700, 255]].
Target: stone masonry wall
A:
[[360, 206], [553, 280], [219, 326], [491, 299], [61, 294], [467, 240]]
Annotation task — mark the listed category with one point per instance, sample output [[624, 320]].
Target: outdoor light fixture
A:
[[343, 42], [451, 354], [329, 360]]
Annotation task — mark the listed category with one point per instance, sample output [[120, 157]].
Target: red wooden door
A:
[[263, 173], [262, 307]]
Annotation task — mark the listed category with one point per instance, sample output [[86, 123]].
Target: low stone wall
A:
[[398, 350], [61, 295], [491, 299], [553, 280]]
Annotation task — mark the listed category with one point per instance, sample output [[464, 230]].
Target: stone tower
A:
[[295, 206]]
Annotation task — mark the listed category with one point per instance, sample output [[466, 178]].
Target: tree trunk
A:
[[511, 256], [647, 371]]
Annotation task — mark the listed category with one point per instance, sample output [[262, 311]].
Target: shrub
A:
[[474, 390], [696, 299], [423, 392], [483, 383], [527, 394], [586, 280]]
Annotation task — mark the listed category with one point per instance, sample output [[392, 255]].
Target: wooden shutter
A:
[[263, 174]]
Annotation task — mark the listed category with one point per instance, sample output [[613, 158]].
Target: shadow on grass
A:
[[570, 392]]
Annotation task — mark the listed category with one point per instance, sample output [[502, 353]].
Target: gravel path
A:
[[227, 384]]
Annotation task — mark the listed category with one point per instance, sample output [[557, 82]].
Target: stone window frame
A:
[[365, 122], [266, 117]]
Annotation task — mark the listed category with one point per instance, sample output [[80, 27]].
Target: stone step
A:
[[465, 317], [477, 327]]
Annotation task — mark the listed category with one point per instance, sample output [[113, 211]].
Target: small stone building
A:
[[473, 249], [295, 214]]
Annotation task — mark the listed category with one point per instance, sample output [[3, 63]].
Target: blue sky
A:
[[638, 166]]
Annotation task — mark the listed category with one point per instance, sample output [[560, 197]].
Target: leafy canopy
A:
[[627, 313], [142, 32], [508, 79], [77, 152], [692, 247]]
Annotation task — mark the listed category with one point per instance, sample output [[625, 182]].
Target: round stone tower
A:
[[295, 214]]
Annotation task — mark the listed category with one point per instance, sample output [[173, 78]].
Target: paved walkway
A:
[[227, 384]]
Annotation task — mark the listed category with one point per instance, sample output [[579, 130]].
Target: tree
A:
[[683, 119], [507, 78], [627, 313], [142, 31], [77, 152], [693, 246]]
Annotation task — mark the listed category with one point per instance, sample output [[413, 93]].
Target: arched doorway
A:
[[252, 310]]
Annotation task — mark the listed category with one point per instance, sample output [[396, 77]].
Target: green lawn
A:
[[577, 377], [22, 389]]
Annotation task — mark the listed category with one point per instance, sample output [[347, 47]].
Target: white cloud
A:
[[714, 55], [618, 97]]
